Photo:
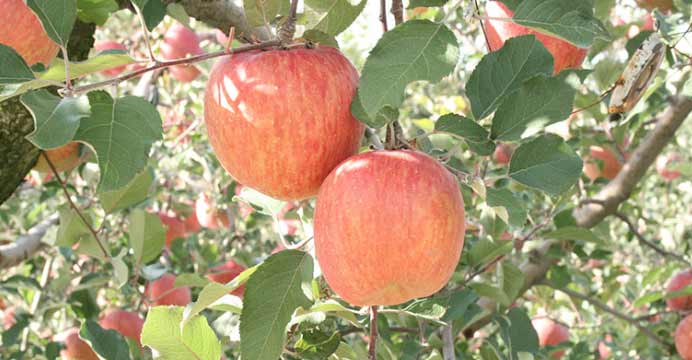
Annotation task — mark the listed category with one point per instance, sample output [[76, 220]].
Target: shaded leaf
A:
[[109, 344], [57, 17], [56, 119], [505, 198], [133, 193], [14, 69], [147, 235], [165, 332], [470, 131]]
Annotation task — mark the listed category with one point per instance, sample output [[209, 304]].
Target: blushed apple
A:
[[550, 333], [175, 228], [678, 282], [683, 338], [127, 323], [8, 319], [21, 30], [64, 158], [226, 272], [663, 163], [208, 215], [502, 154], [75, 347], [180, 42], [611, 163], [162, 292], [111, 45]]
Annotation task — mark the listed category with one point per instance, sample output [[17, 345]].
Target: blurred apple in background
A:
[[162, 292], [180, 42], [663, 163], [110, 45], [226, 272]]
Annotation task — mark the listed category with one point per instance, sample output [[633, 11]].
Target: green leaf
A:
[[502, 72], [109, 344], [147, 235], [485, 251], [191, 280], [414, 50], [518, 332], [334, 16], [567, 19], [214, 291], [447, 307], [505, 198], [96, 11], [121, 132], [470, 131], [11, 335], [102, 61], [511, 279], [425, 3], [649, 298], [178, 12], [271, 296], [319, 37], [491, 292], [122, 273], [14, 69], [56, 119], [57, 17], [263, 12], [572, 233], [154, 11], [539, 102], [316, 345], [265, 204], [72, 230], [165, 332], [386, 115], [546, 163], [133, 193], [328, 306]]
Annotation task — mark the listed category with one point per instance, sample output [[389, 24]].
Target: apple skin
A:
[[662, 163], [208, 215], [389, 227], [683, 338], [111, 45], [180, 42], [662, 5], [175, 228], [550, 333], [127, 323], [160, 292], [64, 158], [604, 351], [21, 30], [282, 146], [565, 55], [502, 154], [678, 282], [611, 163], [76, 348], [226, 272]]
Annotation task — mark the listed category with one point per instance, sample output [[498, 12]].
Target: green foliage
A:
[[56, 119], [194, 338], [475, 135], [109, 344], [96, 11], [14, 69], [57, 17], [147, 235]]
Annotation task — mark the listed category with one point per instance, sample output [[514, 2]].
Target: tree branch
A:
[[26, 245]]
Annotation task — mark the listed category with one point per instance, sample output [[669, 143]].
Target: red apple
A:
[[662, 164], [678, 282], [683, 338], [175, 228], [162, 292], [389, 227], [502, 154], [192, 225], [110, 45], [75, 347], [603, 348], [64, 158], [208, 215], [21, 30], [662, 5], [283, 146], [226, 272], [611, 163], [648, 22], [550, 333], [565, 55], [126, 323], [8, 319], [180, 42]]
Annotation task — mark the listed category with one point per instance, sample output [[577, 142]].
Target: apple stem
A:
[[372, 347], [289, 27]]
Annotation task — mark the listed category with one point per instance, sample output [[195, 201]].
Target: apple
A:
[[208, 215], [603, 349], [565, 55], [661, 5], [611, 163], [192, 225], [8, 319], [175, 228], [127, 323], [662, 164], [2, 304], [162, 292], [110, 45], [220, 37], [678, 282], [279, 144], [226, 272], [389, 227], [21, 30], [180, 42], [683, 338], [64, 158], [502, 154], [550, 333], [75, 347]]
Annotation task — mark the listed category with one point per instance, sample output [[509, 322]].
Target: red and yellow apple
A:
[[180, 42], [550, 333], [110, 45], [502, 154], [208, 215], [175, 228], [64, 158], [283, 146], [127, 323], [389, 227], [21, 30], [680, 281], [75, 347], [565, 55], [226, 272], [683, 338], [162, 292], [663, 163], [611, 163]]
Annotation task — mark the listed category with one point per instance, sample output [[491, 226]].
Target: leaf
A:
[[539, 102], [214, 291], [191, 280], [386, 115], [14, 69], [271, 296], [511, 279], [10, 335], [546, 163], [468, 130], [72, 230], [505, 198], [133, 193], [319, 37], [109, 344], [484, 251], [316, 345], [56, 119], [518, 333], [178, 12], [502, 72], [567, 19], [446, 308], [121, 132], [335, 16], [414, 50], [649, 298], [154, 11], [263, 12], [102, 61], [425, 3], [96, 11], [265, 204], [57, 17], [147, 235], [328, 306], [122, 273], [164, 332], [491, 292], [572, 233]]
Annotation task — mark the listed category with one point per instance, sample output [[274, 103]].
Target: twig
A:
[[398, 11], [396, 329], [485, 35], [383, 15], [372, 346], [289, 27], [26, 245], [447, 343], [66, 59], [145, 31], [646, 242]]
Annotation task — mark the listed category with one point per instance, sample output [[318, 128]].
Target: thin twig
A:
[[66, 59], [145, 32], [288, 29], [383, 15], [447, 343], [372, 346], [485, 35], [398, 11]]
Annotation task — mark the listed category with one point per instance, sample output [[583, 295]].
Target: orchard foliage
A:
[[457, 232]]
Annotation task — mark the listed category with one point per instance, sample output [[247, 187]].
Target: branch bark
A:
[[26, 245]]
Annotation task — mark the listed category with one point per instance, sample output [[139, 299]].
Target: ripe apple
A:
[[603, 348], [389, 227], [661, 5], [126, 323], [162, 292], [683, 338], [208, 215], [678, 282], [8, 319], [21, 30], [565, 55], [611, 163], [75, 347], [226, 272], [64, 158], [662, 163], [175, 228], [550, 333], [180, 42], [280, 120], [192, 225], [502, 154], [110, 45]]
